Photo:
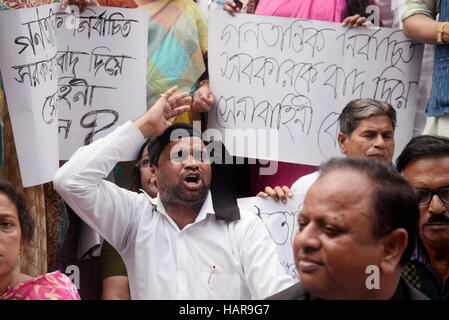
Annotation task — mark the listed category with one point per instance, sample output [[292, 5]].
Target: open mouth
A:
[[192, 181]]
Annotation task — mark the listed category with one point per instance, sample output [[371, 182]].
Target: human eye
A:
[[368, 134], [444, 194], [6, 225], [145, 162], [302, 223], [331, 230], [178, 156]]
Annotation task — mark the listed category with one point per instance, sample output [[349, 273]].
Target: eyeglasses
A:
[[143, 163], [426, 195]]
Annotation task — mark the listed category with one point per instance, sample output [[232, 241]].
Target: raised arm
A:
[[107, 208]]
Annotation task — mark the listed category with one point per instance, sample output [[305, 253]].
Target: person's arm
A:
[[422, 28], [264, 273], [116, 288], [104, 206]]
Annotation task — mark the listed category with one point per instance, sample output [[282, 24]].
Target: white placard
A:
[[69, 79], [295, 76], [281, 221]]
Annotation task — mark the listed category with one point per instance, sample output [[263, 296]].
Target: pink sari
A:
[[324, 10], [49, 286]]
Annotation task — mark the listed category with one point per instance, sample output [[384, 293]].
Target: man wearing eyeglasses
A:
[[425, 163]]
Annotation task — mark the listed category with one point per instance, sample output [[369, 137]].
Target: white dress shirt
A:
[[303, 184], [164, 262]]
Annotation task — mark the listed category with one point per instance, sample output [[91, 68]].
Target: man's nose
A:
[[380, 141], [436, 206], [191, 161], [307, 238]]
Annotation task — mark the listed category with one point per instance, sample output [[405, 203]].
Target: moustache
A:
[[437, 218]]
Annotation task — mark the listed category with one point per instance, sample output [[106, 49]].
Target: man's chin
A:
[[193, 198], [378, 157]]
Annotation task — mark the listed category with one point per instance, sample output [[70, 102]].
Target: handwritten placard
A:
[[295, 76], [281, 221], [69, 79]]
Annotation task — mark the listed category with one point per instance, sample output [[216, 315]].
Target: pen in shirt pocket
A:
[[211, 273]]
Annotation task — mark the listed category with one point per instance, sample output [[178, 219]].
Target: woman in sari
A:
[[16, 229]]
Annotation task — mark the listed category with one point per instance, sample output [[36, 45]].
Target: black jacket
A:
[[404, 291]]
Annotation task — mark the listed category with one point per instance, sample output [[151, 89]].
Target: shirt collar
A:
[[420, 253], [207, 207]]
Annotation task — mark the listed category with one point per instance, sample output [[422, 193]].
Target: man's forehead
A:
[[186, 142], [428, 170], [338, 191], [340, 183], [375, 121]]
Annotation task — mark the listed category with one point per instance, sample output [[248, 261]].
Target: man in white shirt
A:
[[366, 131], [178, 245]]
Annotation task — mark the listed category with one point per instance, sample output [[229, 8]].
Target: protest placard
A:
[[291, 78], [70, 79]]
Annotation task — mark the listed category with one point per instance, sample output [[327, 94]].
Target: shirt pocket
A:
[[218, 287]]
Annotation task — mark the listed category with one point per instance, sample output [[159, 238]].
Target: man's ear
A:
[[153, 171], [342, 139], [393, 246]]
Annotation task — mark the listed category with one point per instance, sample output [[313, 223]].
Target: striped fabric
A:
[[177, 46]]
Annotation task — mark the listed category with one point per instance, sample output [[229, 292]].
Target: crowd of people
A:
[[171, 225]]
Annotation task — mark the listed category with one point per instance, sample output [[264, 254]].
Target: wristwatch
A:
[[440, 35]]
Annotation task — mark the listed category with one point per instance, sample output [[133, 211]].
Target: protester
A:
[[357, 229], [350, 13], [179, 245], [366, 130], [419, 23], [115, 283], [16, 230], [425, 163]]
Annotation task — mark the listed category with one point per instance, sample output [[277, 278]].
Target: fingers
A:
[[360, 21], [179, 110], [167, 94], [231, 8], [353, 21], [270, 192], [287, 191], [64, 4], [178, 99], [262, 194], [203, 99], [280, 194]]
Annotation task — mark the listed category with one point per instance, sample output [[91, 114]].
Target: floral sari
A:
[[49, 286]]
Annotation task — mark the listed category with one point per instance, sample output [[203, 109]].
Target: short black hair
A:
[[425, 146], [172, 133], [17, 197], [395, 202]]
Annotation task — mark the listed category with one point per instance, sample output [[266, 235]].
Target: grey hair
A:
[[361, 109]]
